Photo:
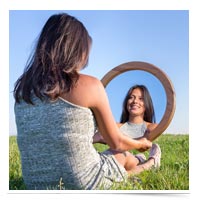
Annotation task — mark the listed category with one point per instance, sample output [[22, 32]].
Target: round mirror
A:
[[117, 90], [155, 78]]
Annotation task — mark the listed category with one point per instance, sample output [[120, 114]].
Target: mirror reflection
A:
[[117, 90]]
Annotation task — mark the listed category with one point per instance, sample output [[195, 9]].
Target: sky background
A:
[[159, 37]]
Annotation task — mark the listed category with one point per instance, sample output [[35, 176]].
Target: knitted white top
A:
[[55, 143], [133, 130]]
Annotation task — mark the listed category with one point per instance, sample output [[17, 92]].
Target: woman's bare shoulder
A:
[[88, 79], [91, 90], [84, 92], [151, 126], [90, 83]]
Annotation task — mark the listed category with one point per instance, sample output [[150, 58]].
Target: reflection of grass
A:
[[172, 175]]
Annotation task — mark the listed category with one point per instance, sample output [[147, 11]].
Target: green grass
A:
[[172, 175]]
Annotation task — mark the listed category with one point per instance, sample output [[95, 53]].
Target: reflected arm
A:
[[150, 133]]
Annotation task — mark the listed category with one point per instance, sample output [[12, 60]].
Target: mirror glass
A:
[[118, 87]]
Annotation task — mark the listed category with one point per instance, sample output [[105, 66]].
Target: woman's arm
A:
[[148, 133], [98, 137], [90, 93], [106, 124]]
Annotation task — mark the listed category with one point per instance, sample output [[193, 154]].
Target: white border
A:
[[7, 5], [99, 4]]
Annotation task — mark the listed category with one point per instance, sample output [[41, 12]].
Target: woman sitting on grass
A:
[[57, 111]]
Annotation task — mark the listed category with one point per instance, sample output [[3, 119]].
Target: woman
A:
[[138, 115], [57, 111]]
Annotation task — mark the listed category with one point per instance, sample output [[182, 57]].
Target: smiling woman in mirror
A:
[[138, 116], [137, 119]]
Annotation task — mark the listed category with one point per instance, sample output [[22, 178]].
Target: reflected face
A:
[[135, 103]]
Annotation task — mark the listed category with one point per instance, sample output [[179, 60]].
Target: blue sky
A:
[[159, 37]]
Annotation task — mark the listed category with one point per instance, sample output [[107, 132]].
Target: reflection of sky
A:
[[119, 86], [159, 37]]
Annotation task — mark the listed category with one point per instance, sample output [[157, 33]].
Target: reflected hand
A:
[[146, 134]]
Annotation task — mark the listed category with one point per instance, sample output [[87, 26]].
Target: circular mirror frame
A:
[[164, 79]]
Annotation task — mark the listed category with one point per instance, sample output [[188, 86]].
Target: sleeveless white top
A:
[[133, 130], [55, 143]]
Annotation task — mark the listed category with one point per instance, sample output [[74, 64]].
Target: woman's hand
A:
[[145, 144]]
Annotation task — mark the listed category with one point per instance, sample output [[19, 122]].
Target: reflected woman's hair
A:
[[149, 115]]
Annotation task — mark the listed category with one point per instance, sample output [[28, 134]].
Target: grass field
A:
[[172, 175]]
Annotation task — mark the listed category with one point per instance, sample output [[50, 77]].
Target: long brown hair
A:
[[149, 115], [62, 48]]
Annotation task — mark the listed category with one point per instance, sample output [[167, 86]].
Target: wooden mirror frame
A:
[[164, 79]]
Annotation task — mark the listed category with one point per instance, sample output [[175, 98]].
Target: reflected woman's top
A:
[[55, 140], [133, 130]]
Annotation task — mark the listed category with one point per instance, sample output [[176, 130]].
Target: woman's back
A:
[[55, 141]]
